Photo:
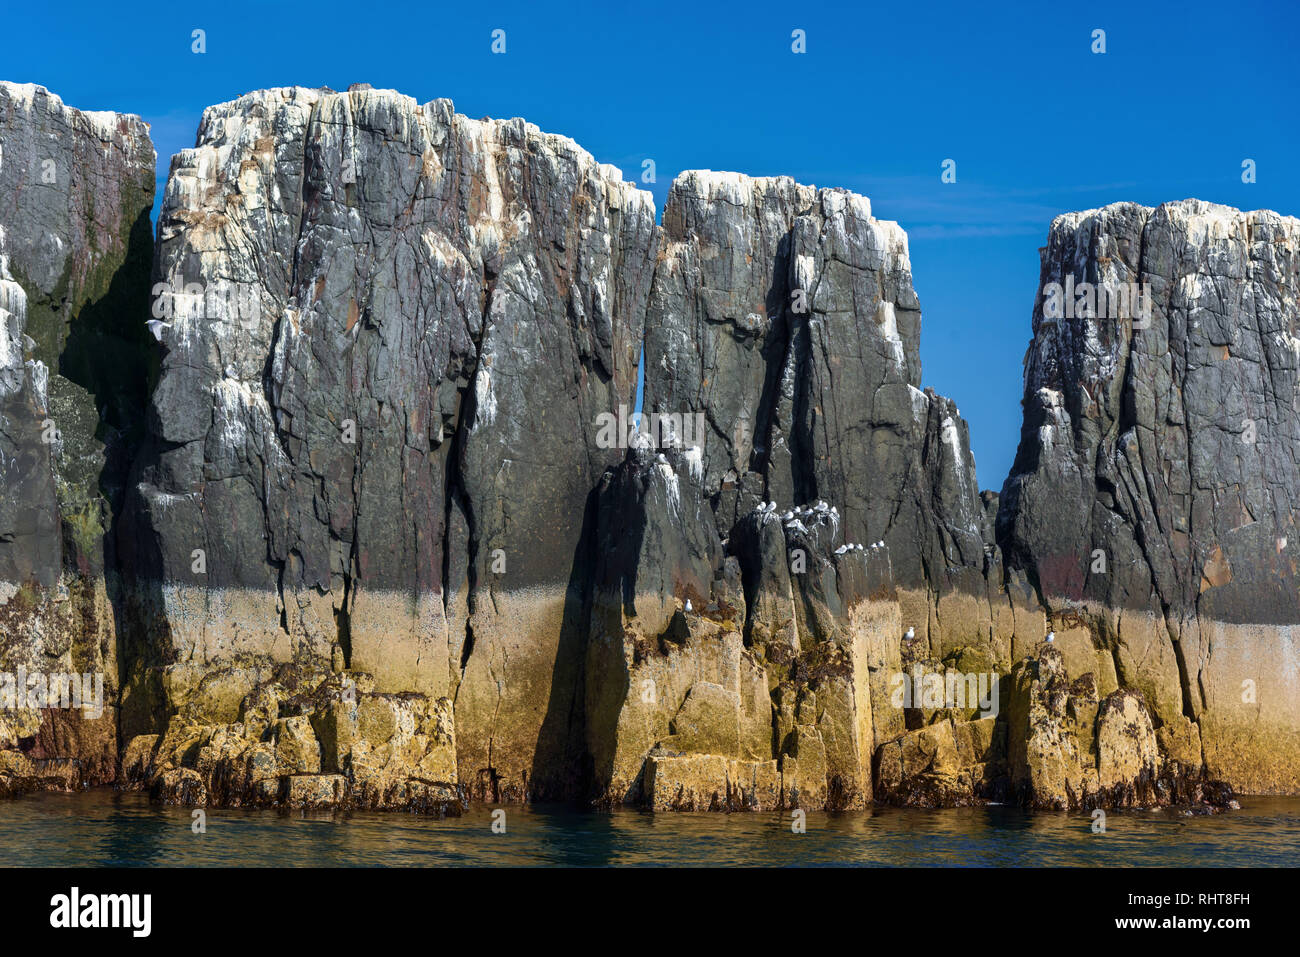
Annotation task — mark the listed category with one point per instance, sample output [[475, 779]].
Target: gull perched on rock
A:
[[911, 633], [1051, 636]]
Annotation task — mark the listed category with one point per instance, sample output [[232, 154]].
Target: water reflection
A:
[[104, 827]]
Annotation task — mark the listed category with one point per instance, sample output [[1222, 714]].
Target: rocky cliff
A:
[[75, 193], [1153, 497], [370, 446], [392, 538]]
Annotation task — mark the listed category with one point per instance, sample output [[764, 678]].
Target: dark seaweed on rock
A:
[[351, 533]]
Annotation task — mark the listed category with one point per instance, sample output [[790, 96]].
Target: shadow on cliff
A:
[[562, 766], [111, 353], [615, 529], [135, 590]]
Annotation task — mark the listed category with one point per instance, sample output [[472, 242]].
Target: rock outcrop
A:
[[391, 538], [718, 676], [782, 348], [786, 316], [371, 444], [1153, 497], [306, 740], [75, 193]]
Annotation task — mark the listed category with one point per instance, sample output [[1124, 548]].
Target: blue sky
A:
[[1037, 123]]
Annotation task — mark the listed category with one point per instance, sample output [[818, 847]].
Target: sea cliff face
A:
[[1153, 498], [387, 538], [75, 194], [376, 443]]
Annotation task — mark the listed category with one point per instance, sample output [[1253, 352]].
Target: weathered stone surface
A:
[[137, 760], [1069, 751], [708, 721], [75, 193], [951, 763], [296, 749], [654, 670], [364, 437], [786, 315], [316, 791], [694, 651], [679, 782], [381, 547], [1127, 756], [753, 786], [333, 744], [180, 786], [674, 781], [1154, 494]]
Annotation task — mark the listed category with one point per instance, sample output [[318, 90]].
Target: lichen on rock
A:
[[360, 539], [75, 193]]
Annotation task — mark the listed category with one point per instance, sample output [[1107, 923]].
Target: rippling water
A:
[[104, 827]]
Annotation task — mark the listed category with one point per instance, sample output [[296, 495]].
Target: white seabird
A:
[[156, 326], [1051, 636], [911, 633]]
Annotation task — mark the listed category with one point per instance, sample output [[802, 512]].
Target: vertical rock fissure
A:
[[831, 396], [456, 496]]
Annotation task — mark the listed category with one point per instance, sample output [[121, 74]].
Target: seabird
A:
[[688, 604], [1051, 636], [911, 633], [156, 326]]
